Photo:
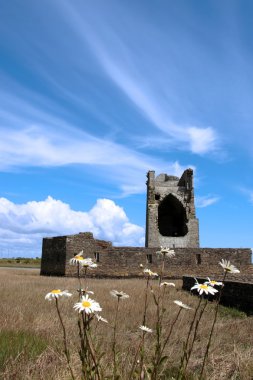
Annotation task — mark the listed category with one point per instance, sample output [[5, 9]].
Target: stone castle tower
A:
[[170, 215]]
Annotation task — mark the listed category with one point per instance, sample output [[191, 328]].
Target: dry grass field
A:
[[31, 345]]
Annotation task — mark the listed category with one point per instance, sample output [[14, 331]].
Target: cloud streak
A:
[[130, 77], [33, 137], [197, 140], [205, 201], [38, 147]]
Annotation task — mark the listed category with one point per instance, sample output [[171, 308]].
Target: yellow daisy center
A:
[[56, 291], [79, 257], [213, 282], [86, 304], [203, 286]]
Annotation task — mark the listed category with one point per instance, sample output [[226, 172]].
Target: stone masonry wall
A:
[[235, 293], [53, 256], [125, 261], [85, 242], [158, 188]]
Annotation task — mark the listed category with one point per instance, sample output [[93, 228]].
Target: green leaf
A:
[[163, 359]]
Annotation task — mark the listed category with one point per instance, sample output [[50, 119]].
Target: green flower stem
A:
[[194, 336], [162, 270], [171, 329], [81, 324], [141, 344], [93, 355], [184, 356], [158, 338], [168, 338], [82, 349], [212, 328], [79, 280], [144, 324], [145, 304], [85, 278], [159, 317], [66, 351], [114, 341]]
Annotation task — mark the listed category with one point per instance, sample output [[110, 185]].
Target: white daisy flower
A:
[[150, 273], [120, 295], [204, 288], [88, 263], [146, 329], [56, 293], [165, 251], [230, 268], [181, 304], [213, 282], [77, 259], [99, 318], [167, 284], [87, 305], [141, 265]]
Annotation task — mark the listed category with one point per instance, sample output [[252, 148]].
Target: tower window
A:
[[149, 258], [96, 256], [198, 258]]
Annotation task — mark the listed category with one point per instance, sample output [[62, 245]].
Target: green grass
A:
[[13, 343], [21, 262], [231, 312]]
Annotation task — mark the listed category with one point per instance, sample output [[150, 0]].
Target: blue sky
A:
[[93, 94]]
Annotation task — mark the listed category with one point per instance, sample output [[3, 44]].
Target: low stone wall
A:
[[236, 294], [125, 261]]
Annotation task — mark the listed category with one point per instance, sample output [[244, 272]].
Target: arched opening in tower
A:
[[172, 217]]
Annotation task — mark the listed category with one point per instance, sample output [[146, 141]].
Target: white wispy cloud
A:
[[247, 192], [130, 74], [197, 140], [202, 140], [206, 200], [31, 136], [38, 146], [33, 133], [42, 147], [22, 226]]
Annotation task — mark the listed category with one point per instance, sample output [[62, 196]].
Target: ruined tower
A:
[[170, 215]]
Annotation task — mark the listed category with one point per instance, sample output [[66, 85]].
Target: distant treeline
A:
[[17, 261]]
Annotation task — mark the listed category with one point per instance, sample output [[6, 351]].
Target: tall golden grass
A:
[[23, 308]]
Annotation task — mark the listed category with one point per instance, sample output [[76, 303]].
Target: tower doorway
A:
[[172, 217]]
